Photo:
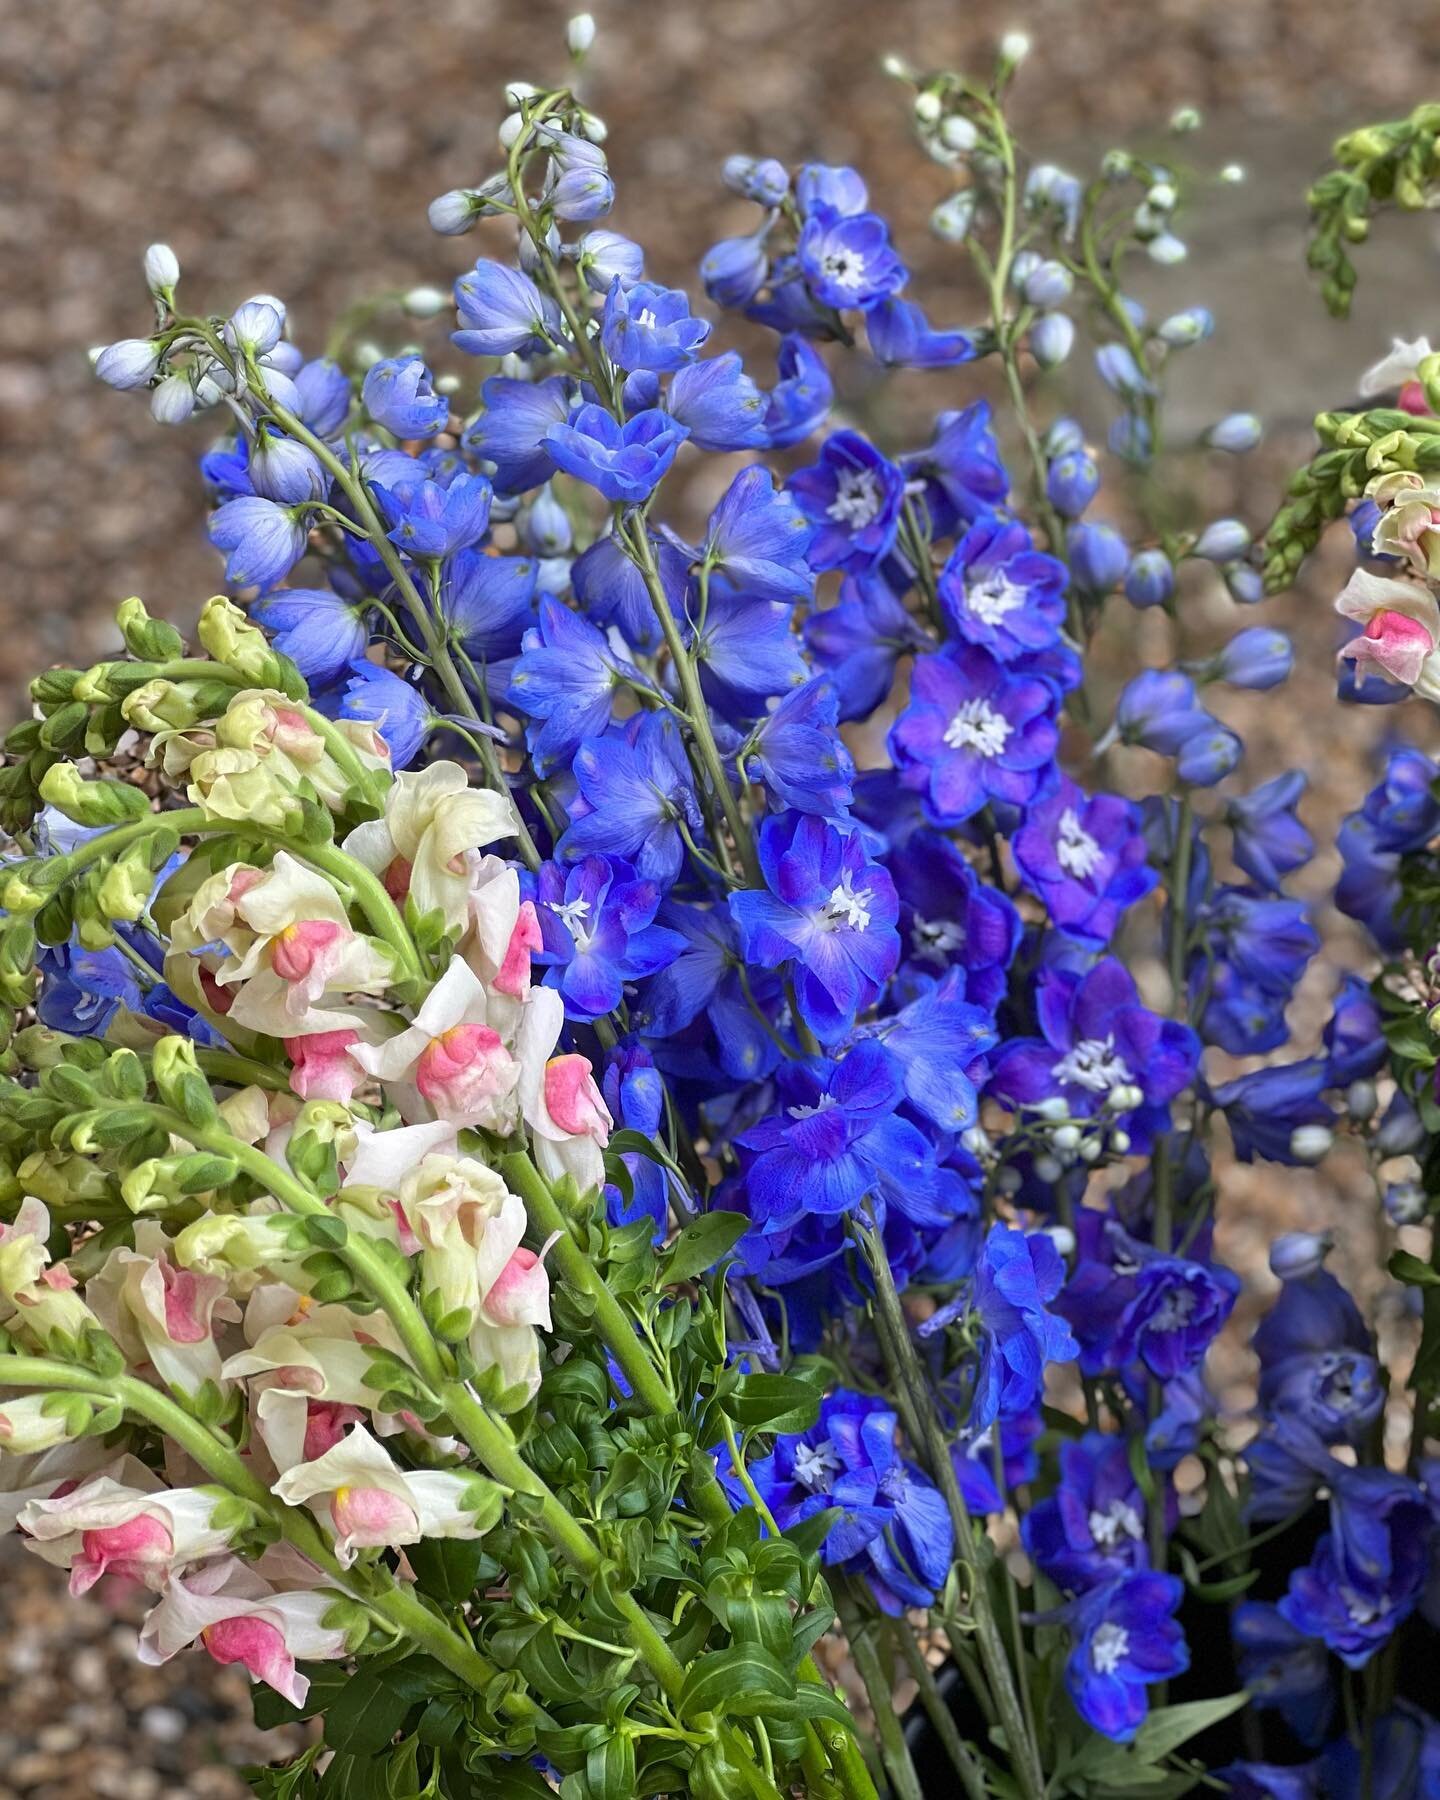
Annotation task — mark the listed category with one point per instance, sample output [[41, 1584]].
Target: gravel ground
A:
[[291, 146]]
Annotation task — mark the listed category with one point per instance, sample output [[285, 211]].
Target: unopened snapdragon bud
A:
[[580, 34], [1298, 1254], [162, 271]]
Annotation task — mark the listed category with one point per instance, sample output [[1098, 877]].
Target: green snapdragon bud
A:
[[231, 639], [179, 1082], [124, 887], [92, 803], [152, 640]]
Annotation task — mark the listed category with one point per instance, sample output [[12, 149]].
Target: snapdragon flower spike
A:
[[826, 918]]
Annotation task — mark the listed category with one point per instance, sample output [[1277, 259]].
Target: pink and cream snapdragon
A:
[[1400, 630]]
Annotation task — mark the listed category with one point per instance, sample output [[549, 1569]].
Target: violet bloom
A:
[[624, 462], [1125, 1639], [973, 732], [848, 261], [1177, 1309], [949, 917], [1084, 856], [1016, 1278], [852, 496], [1101, 1050], [1317, 1361], [646, 326], [998, 590], [827, 917], [1092, 1528]]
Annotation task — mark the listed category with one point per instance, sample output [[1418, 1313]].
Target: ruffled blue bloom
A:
[[758, 539], [747, 653], [612, 591], [597, 922], [566, 676], [801, 399], [974, 731], [428, 520], [852, 496], [1317, 1361], [1356, 1617], [635, 1094], [489, 604], [1174, 1314], [826, 917], [1125, 1638], [949, 918], [837, 1139], [999, 591], [624, 462], [321, 632], [1284, 1669], [502, 312], [399, 394], [961, 469], [399, 712], [1083, 854], [939, 1040], [262, 540], [1354, 1041], [1269, 841], [1098, 1039], [861, 638], [799, 755], [645, 326], [900, 336], [510, 433], [719, 405], [1268, 1107], [1092, 1528], [847, 258], [703, 982], [1016, 1277], [634, 793]]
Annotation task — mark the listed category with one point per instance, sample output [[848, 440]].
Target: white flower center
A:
[[1109, 1644], [992, 595], [823, 1104], [1118, 1521], [646, 318], [978, 727], [1175, 1311], [848, 907], [936, 940], [1364, 1609], [1078, 853], [857, 498], [1093, 1064], [844, 267], [572, 915], [816, 1466]]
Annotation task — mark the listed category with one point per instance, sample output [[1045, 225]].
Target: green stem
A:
[[972, 1777], [894, 1750]]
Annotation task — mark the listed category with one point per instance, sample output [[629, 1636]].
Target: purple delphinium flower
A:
[[759, 539], [1016, 1278], [634, 794], [848, 260], [861, 638], [800, 401], [852, 496], [1092, 1528], [510, 432], [1098, 1039], [597, 926], [1176, 1311], [799, 755], [999, 591], [974, 731], [1317, 1361], [826, 915], [1354, 1041], [1084, 856], [950, 918], [1125, 1639], [1283, 1669], [961, 469], [624, 462]]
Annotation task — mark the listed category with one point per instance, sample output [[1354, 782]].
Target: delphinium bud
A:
[[1222, 541], [1072, 483], [1052, 338], [172, 400], [425, 302], [1311, 1143], [128, 363], [952, 218], [1297, 1254], [580, 34], [1405, 1203], [1192, 326], [1236, 433], [162, 271], [1048, 284]]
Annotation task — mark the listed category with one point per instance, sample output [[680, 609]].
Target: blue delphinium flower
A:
[[847, 259], [1176, 1310], [611, 588], [1092, 1528], [635, 1095], [399, 711], [1356, 1617], [949, 918], [747, 654], [649, 327], [281, 469], [489, 603], [939, 1040], [1278, 1112], [719, 404], [733, 270], [502, 312], [399, 393], [961, 469], [320, 631], [1102, 1051], [758, 539], [510, 432], [1284, 1669], [1084, 856], [567, 677], [861, 638], [852, 496], [1354, 1040], [999, 591], [800, 401], [1125, 1639], [1160, 711], [1259, 658], [634, 796], [1016, 1278], [597, 922], [799, 755], [1250, 953], [1269, 841], [428, 520], [900, 336], [263, 540], [1317, 1361], [624, 462], [975, 730], [826, 917]]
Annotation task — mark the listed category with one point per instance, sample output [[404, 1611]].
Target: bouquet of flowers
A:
[[614, 1114]]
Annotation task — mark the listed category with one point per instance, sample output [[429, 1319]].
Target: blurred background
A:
[[291, 146]]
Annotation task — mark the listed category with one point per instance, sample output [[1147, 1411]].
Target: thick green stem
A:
[[972, 1777], [894, 1750]]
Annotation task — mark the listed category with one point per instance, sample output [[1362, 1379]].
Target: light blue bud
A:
[[1048, 285], [1150, 579], [1130, 438], [1120, 372], [1259, 658], [1167, 250], [760, 179], [1405, 1203], [1134, 311], [129, 363], [1052, 338], [1209, 756], [1063, 436], [455, 213], [1099, 557], [1222, 541], [547, 526], [254, 327], [1192, 326], [1246, 585], [1071, 483], [603, 257], [952, 218], [1236, 432], [1298, 1254], [172, 401]]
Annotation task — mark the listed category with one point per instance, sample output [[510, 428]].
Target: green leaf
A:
[[701, 1245], [773, 1402], [1413, 1270], [371, 1707], [447, 1569], [1168, 1727], [735, 1682]]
